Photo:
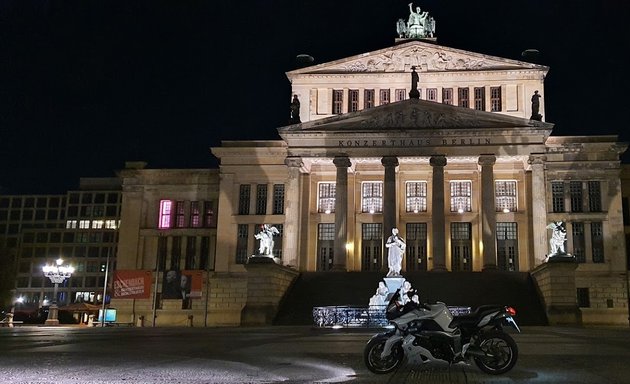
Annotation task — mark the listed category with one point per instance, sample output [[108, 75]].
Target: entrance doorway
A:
[[325, 246], [507, 246], [416, 247], [461, 247], [371, 246]]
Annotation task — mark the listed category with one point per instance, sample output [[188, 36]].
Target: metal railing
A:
[[360, 317]]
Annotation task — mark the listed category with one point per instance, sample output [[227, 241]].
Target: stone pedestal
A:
[[393, 283], [555, 280], [267, 282], [53, 313], [257, 259]]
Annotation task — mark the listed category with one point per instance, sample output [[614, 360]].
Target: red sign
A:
[[132, 284], [196, 282]]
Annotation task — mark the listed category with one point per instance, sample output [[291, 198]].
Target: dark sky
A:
[[88, 85]]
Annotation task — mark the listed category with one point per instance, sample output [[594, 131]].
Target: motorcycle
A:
[[424, 333]]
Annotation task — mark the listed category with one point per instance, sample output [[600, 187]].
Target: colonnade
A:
[[438, 222]]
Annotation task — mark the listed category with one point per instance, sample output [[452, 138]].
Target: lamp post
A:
[[57, 274]]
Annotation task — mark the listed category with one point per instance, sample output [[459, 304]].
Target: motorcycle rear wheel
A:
[[373, 360], [501, 353]]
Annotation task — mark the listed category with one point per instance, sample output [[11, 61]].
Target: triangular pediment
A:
[[424, 55], [416, 128], [414, 114]]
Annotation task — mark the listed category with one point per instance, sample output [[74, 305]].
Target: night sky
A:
[[88, 85]]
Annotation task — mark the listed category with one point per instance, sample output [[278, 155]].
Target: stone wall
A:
[[266, 286], [556, 283], [608, 298]]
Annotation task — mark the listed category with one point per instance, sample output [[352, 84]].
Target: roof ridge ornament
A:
[[419, 25]]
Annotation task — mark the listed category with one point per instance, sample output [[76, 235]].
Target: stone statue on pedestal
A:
[[536, 107], [396, 247], [265, 236]]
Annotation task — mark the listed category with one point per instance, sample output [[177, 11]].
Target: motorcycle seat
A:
[[475, 316]]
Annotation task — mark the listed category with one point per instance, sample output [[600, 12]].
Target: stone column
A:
[[488, 212], [291, 213], [539, 207], [389, 201], [341, 213], [438, 162]]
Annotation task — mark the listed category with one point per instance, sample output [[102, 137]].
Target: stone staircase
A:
[[471, 289]]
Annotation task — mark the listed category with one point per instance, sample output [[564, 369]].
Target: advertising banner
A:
[[132, 284]]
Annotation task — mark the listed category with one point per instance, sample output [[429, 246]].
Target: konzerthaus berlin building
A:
[[465, 169]]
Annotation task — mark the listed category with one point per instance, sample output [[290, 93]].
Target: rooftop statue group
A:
[[419, 25]]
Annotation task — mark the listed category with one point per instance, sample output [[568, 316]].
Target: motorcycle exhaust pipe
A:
[[477, 352]]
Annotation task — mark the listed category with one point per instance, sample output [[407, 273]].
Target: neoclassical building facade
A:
[[446, 145]]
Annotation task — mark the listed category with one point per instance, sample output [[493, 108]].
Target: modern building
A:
[[80, 227], [449, 146]]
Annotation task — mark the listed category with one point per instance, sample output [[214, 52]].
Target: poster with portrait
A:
[[182, 284]]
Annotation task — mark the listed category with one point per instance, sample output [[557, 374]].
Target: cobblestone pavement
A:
[[286, 355]]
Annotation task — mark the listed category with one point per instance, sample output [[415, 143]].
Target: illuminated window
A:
[[208, 215], [111, 224], [461, 196], [495, 99], [261, 199], [447, 96], [353, 100], [195, 215], [597, 241], [326, 197], [480, 98], [594, 196], [241, 244], [557, 196], [98, 224], [416, 196], [372, 197], [84, 224], [278, 199], [401, 94], [337, 101], [71, 224], [463, 97], [243, 199], [579, 241], [432, 94], [166, 207], [180, 211], [368, 98], [575, 192], [384, 96], [505, 195]]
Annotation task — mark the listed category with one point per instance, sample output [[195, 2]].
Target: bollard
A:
[[90, 321], [140, 322], [10, 319], [190, 320]]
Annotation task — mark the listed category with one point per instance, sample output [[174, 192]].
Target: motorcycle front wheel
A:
[[373, 360], [500, 352]]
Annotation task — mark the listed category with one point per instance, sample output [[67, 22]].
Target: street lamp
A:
[[57, 275]]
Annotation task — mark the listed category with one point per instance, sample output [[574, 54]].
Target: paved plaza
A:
[[285, 355]]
